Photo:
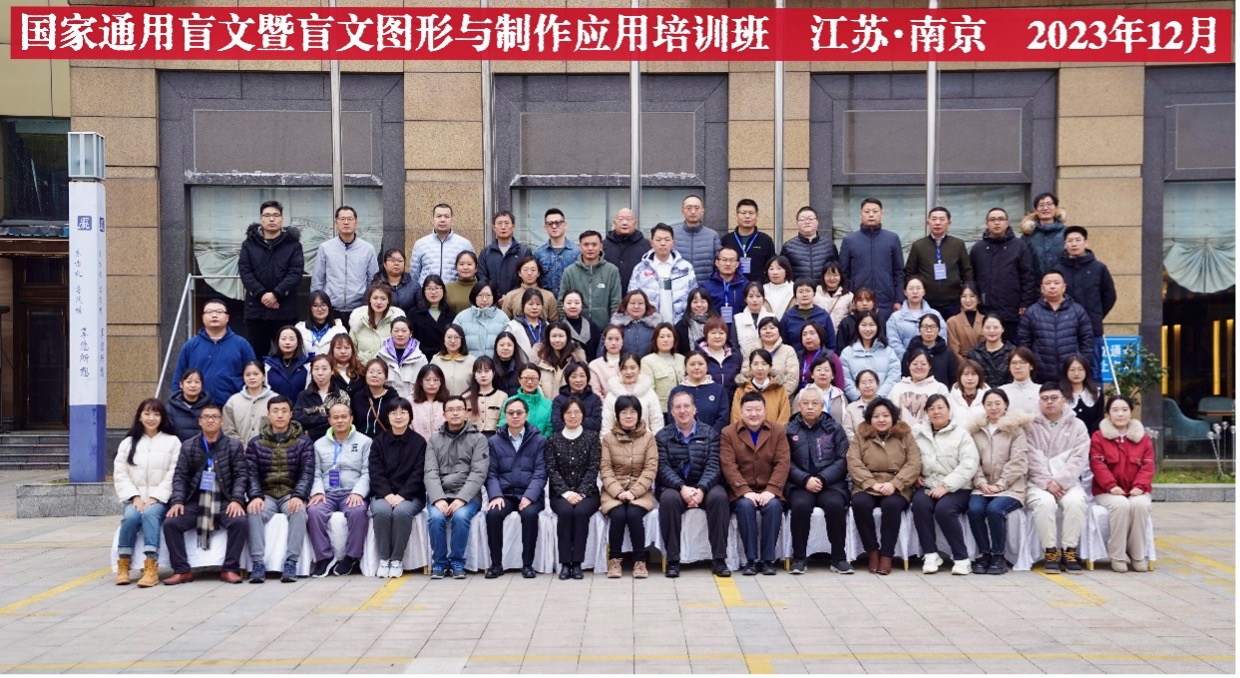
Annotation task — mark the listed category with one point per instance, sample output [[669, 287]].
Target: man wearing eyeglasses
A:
[[457, 461], [345, 265], [558, 253], [1058, 454], [1003, 268], [810, 250], [271, 265], [516, 476], [942, 262], [217, 352], [435, 253]]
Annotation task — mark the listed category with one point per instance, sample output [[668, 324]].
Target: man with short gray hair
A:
[[817, 478]]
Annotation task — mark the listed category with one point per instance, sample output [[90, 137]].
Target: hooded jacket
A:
[[1054, 334], [624, 251], [287, 380], [643, 390], [500, 267], [456, 464], [754, 467], [244, 413], [874, 258], [280, 467], [809, 257], [591, 407], [1121, 461], [1003, 455], [711, 400], [694, 463], [184, 416], [948, 456], [353, 462], [1090, 284], [398, 465], [698, 245], [629, 461], [227, 462], [778, 405], [517, 473], [943, 363], [481, 327], [344, 271], [150, 475], [645, 277], [637, 333], [874, 459], [274, 266], [1045, 241], [820, 451], [953, 254], [1058, 452], [368, 340], [879, 358], [994, 363], [1006, 280], [403, 371], [219, 361], [600, 288]]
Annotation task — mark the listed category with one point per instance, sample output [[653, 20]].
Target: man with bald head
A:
[[697, 242], [625, 245]]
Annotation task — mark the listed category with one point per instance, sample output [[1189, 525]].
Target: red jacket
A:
[[1126, 461]]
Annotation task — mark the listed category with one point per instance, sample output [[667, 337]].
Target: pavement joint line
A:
[[55, 544], [730, 595], [12, 608], [1210, 562], [1064, 580]]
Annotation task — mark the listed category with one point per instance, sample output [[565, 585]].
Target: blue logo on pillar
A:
[[101, 224], [83, 223]]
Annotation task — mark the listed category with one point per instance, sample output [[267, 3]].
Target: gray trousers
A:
[[258, 526], [392, 526]]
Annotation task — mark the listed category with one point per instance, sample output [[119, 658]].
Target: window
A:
[[36, 177], [904, 209], [591, 209]]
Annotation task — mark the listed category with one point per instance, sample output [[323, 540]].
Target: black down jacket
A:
[[701, 454], [1090, 284], [1054, 335], [1003, 269], [819, 450], [228, 462], [809, 258], [275, 266]]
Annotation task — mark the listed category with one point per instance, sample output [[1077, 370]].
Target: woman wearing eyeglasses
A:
[[537, 404]]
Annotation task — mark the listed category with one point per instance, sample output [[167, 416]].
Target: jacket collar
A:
[[1135, 430]]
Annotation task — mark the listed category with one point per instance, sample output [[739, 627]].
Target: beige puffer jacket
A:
[[1003, 455]]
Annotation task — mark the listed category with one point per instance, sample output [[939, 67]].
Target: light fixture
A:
[[86, 162]]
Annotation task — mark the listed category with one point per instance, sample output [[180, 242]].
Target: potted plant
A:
[[1137, 371]]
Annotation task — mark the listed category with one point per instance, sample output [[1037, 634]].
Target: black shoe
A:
[[998, 565], [750, 568], [798, 566], [320, 567], [566, 571], [494, 571], [720, 568], [767, 567], [289, 573], [673, 569], [346, 566], [528, 572], [1072, 562], [841, 566], [258, 572], [577, 572], [982, 564]]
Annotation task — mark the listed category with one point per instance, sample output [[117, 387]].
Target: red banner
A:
[[993, 35]]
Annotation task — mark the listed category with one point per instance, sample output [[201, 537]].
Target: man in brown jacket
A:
[[754, 459]]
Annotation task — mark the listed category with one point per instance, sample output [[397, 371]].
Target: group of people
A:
[[728, 321]]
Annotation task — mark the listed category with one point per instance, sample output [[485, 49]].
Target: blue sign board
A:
[[1114, 348]]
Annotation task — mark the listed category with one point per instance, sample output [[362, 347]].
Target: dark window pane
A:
[[36, 159], [598, 143], [297, 142], [1205, 136]]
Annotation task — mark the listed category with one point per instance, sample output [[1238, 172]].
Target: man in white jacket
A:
[[664, 276], [1058, 454]]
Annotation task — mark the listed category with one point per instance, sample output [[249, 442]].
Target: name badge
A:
[[940, 271], [726, 314], [746, 265], [207, 484], [333, 478]]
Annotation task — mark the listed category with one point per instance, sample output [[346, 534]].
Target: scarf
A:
[[209, 504], [696, 325], [579, 329]]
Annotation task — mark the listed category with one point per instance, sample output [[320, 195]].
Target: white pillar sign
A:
[[88, 303]]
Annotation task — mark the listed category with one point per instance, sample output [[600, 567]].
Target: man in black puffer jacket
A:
[[625, 246], [271, 265], [811, 250], [1003, 269], [817, 477], [225, 457], [281, 462], [1055, 328], [689, 477], [1089, 282]]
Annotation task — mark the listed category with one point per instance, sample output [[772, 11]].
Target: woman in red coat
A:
[[1122, 459]]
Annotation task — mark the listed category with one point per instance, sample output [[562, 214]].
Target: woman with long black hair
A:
[[142, 475]]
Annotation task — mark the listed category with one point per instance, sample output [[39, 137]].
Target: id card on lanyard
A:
[[746, 262], [207, 483], [940, 268], [333, 474]]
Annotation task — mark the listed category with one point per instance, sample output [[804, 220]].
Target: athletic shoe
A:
[[842, 566], [458, 572], [437, 572], [288, 573], [798, 566], [321, 567], [258, 572], [346, 566], [961, 566], [930, 563]]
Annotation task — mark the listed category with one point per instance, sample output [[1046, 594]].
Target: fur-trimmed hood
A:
[[865, 430], [254, 231], [1135, 430], [1030, 221], [624, 319], [644, 383], [1009, 423]]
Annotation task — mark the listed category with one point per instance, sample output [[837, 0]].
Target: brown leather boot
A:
[[884, 564], [122, 570], [150, 573], [613, 568], [639, 569], [873, 555]]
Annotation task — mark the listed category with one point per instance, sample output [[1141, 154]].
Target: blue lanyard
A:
[[805, 365], [938, 251], [534, 337], [317, 336], [207, 446], [745, 248], [336, 451], [727, 293]]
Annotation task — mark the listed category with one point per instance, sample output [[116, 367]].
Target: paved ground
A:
[[59, 611]]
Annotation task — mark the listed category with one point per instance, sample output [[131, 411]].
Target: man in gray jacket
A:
[[344, 265], [696, 242], [456, 469], [1058, 454]]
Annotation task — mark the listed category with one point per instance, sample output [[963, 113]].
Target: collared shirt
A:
[[517, 440], [687, 437]]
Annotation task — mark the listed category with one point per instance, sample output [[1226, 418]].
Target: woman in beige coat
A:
[[999, 484], [628, 466], [884, 443]]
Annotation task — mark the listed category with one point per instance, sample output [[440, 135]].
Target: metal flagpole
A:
[[635, 136], [488, 197], [779, 145], [337, 159], [932, 128]]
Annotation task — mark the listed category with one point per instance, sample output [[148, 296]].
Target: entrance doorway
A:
[[41, 333]]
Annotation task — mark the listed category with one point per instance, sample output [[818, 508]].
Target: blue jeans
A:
[[150, 519], [437, 525], [988, 521]]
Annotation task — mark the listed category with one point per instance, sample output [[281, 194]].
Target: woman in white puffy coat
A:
[[142, 474], [632, 382], [949, 462]]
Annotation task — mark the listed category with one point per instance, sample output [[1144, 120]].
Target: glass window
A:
[[36, 163], [591, 209], [904, 208]]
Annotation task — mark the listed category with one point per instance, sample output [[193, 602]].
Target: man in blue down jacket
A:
[[689, 478], [281, 473], [871, 257], [1055, 328], [271, 264], [515, 480], [817, 478]]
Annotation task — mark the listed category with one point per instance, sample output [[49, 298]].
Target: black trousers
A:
[[863, 505], [630, 516], [174, 537], [835, 507], [529, 529], [1009, 330], [945, 511], [263, 334], [573, 526], [671, 513]]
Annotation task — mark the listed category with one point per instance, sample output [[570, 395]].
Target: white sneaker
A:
[[931, 563], [396, 568], [382, 571], [962, 566]]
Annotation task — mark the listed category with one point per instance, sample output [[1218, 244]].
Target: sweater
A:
[[150, 475], [220, 362], [398, 465], [456, 293], [911, 397], [572, 465]]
